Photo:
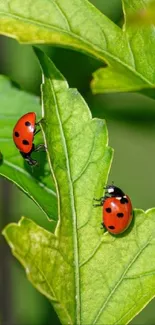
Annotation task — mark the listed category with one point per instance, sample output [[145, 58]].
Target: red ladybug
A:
[[23, 135], [117, 210]]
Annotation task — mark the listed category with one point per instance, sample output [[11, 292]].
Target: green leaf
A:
[[138, 72], [117, 269], [80, 160], [129, 53], [35, 183], [82, 270], [142, 16], [75, 24]]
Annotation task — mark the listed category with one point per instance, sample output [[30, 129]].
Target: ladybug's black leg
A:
[[102, 225], [97, 205], [97, 199], [39, 147], [30, 161], [39, 121], [36, 131], [101, 200]]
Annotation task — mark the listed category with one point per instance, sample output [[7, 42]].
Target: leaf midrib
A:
[[92, 50], [74, 217]]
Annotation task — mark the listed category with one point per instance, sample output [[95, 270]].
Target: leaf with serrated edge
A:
[[36, 183], [80, 160], [77, 24], [118, 268], [84, 272]]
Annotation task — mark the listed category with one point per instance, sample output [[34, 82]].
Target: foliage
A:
[[34, 182], [83, 271], [78, 260], [128, 52]]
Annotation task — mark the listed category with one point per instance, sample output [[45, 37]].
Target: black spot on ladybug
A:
[[27, 123], [25, 142], [120, 215], [108, 210], [124, 200], [111, 227], [16, 134]]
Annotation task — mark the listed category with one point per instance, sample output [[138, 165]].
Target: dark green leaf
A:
[[36, 182]]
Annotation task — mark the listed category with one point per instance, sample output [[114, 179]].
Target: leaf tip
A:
[[47, 66]]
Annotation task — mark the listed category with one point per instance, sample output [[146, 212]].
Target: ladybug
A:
[[117, 210], [23, 136]]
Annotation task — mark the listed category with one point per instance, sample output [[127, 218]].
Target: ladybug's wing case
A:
[[23, 132], [117, 214]]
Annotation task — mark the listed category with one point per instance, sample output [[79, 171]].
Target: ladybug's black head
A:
[[114, 191]]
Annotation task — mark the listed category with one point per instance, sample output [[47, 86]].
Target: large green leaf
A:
[[37, 182], [90, 276], [114, 270], [139, 71], [80, 160], [72, 23], [78, 25]]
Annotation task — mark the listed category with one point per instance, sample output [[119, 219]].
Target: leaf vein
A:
[[92, 47], [63, 14], [118, 283], [86, 164], [139, 276], [132, 53], [75, 239], [93, 253]]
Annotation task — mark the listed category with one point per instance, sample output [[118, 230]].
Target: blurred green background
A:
[[131, 124]]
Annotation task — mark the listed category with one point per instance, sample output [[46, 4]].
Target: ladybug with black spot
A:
[[23, 136], [117, 210]]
